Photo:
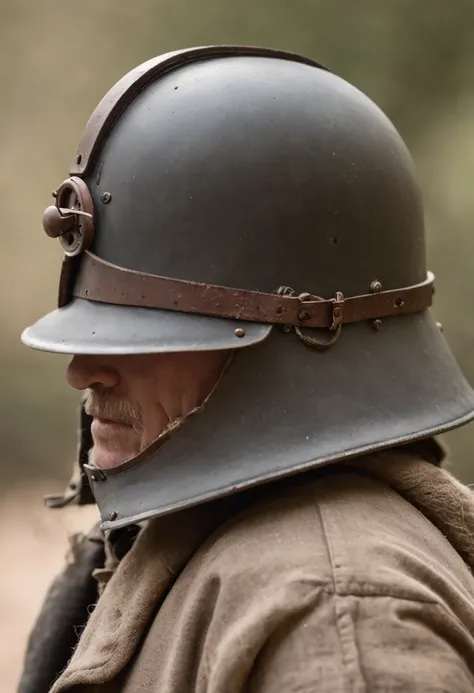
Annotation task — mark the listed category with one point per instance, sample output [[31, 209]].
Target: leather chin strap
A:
[[102, 281]]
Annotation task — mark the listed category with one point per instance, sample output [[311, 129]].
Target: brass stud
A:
[[105, 198], [98, 475], [239, 332], [113, 515], [337, 312], [304, 315], [376, 287], [377, 325]]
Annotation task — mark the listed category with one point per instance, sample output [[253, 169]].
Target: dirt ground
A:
[[33, 543]]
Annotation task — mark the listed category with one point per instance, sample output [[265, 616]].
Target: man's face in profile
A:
[[133, 398]]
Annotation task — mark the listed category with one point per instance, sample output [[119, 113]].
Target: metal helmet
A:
[[245, 198]]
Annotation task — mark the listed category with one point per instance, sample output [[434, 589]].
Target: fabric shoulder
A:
[[346, 531], [381, 544], [277, 532]]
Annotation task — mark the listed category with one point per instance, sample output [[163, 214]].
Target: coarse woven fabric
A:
[[355, 578]]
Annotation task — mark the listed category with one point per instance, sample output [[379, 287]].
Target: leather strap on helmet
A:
[[105, 282]]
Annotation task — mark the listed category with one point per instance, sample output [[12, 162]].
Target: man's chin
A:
[[109, 459]]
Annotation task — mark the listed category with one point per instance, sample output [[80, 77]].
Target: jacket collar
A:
[[152, 565]]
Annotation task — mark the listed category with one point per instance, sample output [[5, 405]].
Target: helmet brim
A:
[[87, 327]]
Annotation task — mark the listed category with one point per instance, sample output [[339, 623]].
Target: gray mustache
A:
[[105, 405]]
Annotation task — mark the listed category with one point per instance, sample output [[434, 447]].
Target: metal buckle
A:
[[71, 218]]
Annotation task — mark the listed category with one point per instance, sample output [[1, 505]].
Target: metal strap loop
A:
[[319, 343], [337, 317]]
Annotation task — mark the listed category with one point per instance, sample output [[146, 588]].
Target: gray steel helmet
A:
[[230, 197]]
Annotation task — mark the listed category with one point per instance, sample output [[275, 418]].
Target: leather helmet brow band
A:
[[101, 281]]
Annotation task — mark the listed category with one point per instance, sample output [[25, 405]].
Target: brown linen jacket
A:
[[355, 579]]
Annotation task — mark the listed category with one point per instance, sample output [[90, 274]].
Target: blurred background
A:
[[416, 60]]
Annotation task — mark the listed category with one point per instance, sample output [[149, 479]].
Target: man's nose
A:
[[86, 372]]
